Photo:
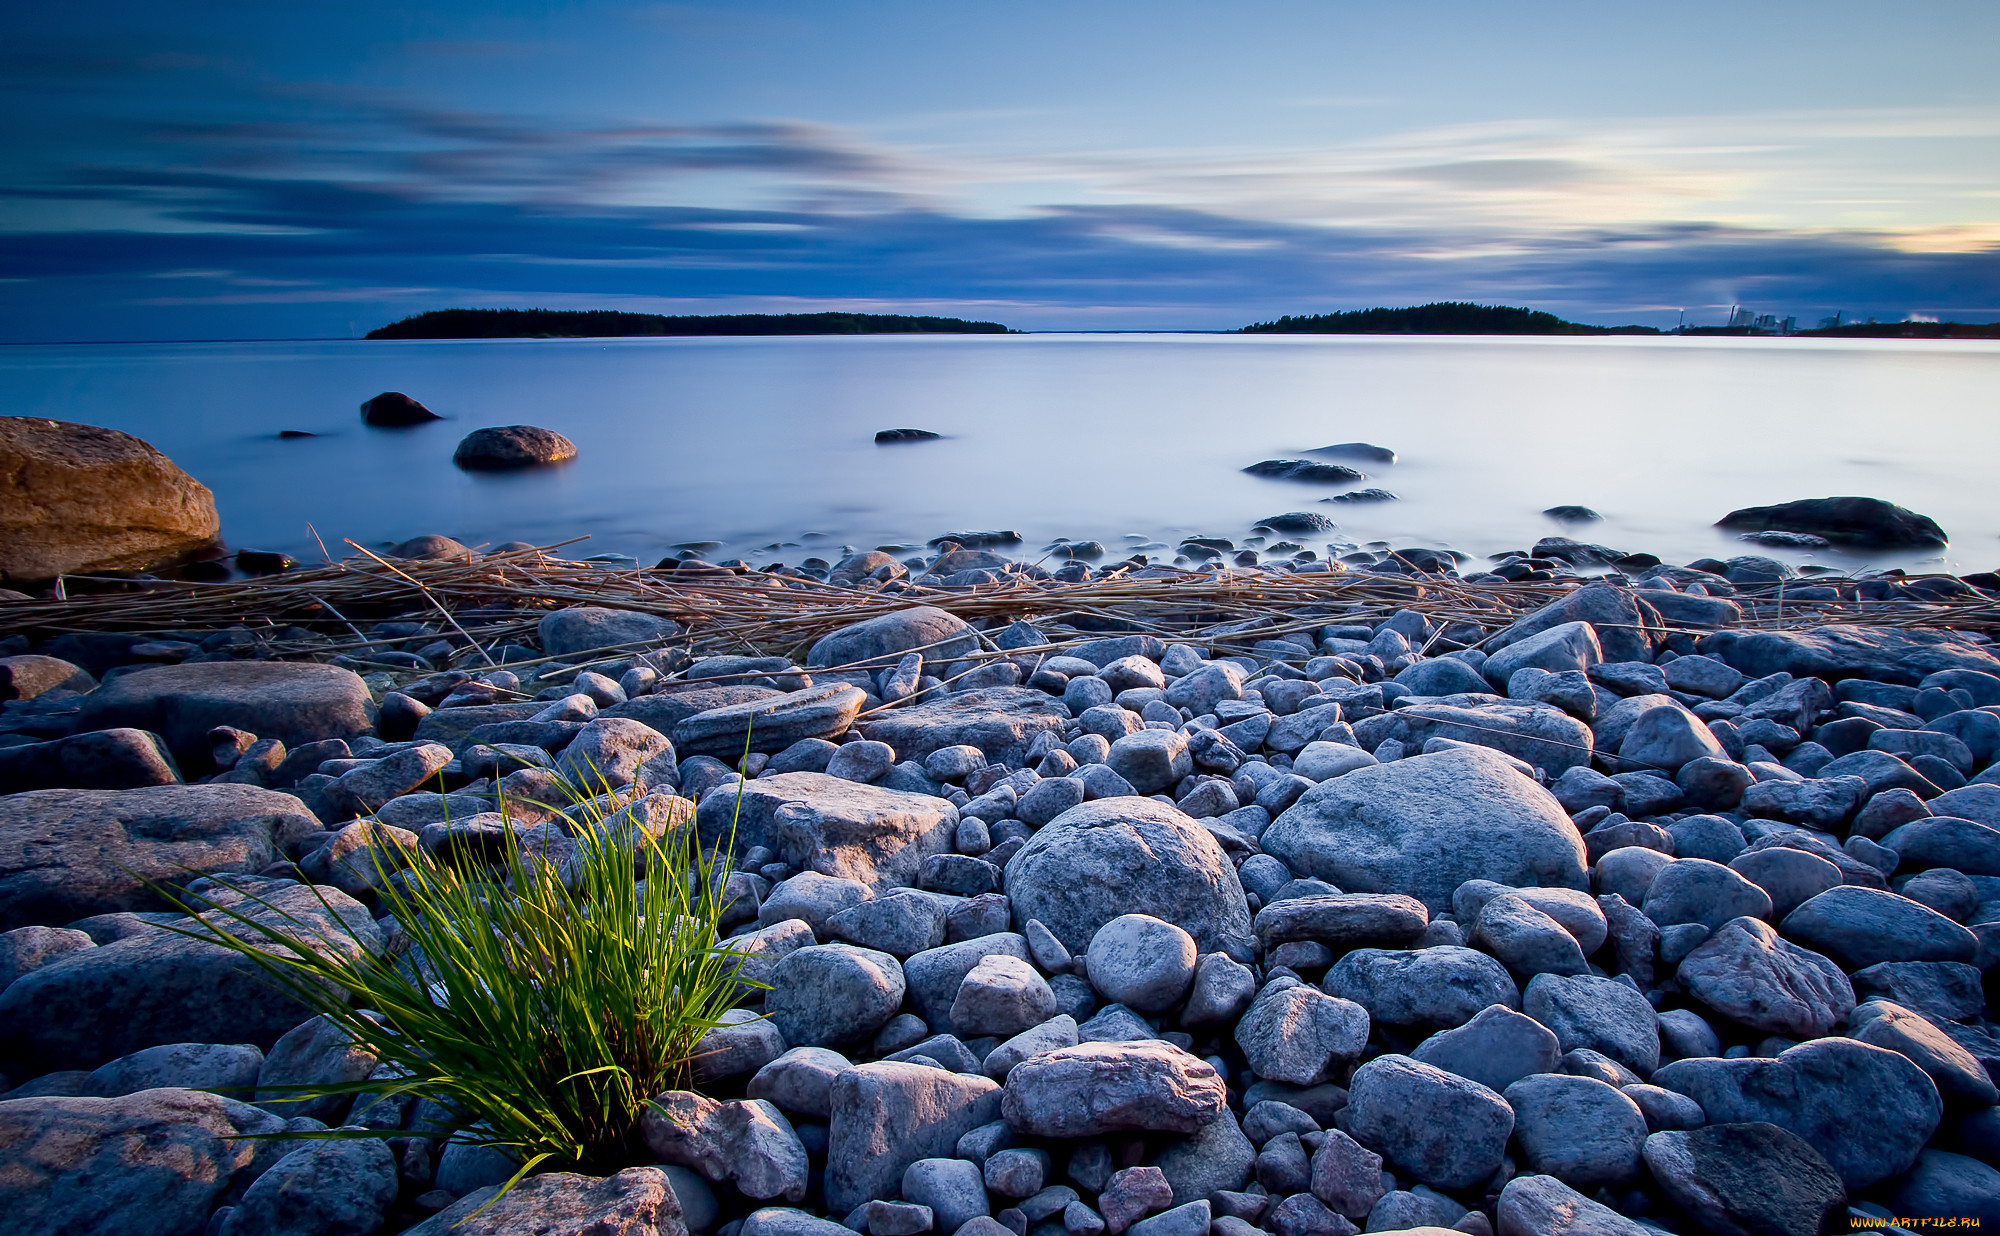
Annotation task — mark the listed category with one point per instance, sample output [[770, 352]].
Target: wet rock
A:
[[1445, 1130], [1864, 522], [80, 498], [1096, 1088], [69, 854], [292, 701], [395, 410], [1119, 856], [887, 1116], [1867, 1111], [1425, 825], [508, 447], [1748, 973]]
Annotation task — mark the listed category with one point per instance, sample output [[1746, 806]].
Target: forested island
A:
[[1439, 318], [610, 323], [1909, 330]]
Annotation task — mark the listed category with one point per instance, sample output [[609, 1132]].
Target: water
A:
[[1125, 439]]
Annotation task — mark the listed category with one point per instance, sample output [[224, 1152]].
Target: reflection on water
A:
[[1124, 439]]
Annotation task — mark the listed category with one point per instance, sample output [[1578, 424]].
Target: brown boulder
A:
[[80, 498], [506, 447], [394, 409]]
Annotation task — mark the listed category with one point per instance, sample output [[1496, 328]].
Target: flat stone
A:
[[1860, 927], [1001, 721], [638, 1201], [772, 724], [835, 827], [1343, 921], [1496, 1048], [296, 702], [1097, 1088], [1749, 1177]]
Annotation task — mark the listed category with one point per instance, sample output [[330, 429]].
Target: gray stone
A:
[[1096, 1088], [1790, 877], [887, 1116], [1141, 962], [1448, 1131], [863, 761], [1598, 1013], [1577, 1129], [161, 987], [155, 1163], [1868, 1111], [1748, 973], [743, 1044], [933, 976], [1750, 1177], [1668, 737], [812, 898], [1296, 1034], [833, 995], [293, 701], [939, 635], [1958, 1074], [1947, 1184], [1496, 1049], [1003, 722], [328, 1188], [1886, 654], [800, 1081], [1202, 689], [1343, 921], [1860, 927], [951, 1188], [773, 723], [1694, 890], [1545, 1206], [1152, 760], [1347, 1177], [312, 1056], [1222, 989], [1128, 855], [814, 822], [228, 1068], [1001, 996], [590, 628], [114, 759], [1131, 1194], [903, 922], [70, 854], [1425, 825], [1438, 987], [1564, 647], [764, 948], [1191, 1219], [1528, 941], [1665, 1109], [1946, 990], [635, 1202], [747, 1142], [1057, 1032], [1944, 841], [30, 948], [1536, 734]]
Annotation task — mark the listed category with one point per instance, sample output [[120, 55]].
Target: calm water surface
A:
[[1119, 438]]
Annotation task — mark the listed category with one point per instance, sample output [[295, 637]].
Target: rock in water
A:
[[505, 447], [884, 437], [80, 498], [1304, 470], [394, 410], [1864, 522], [1355, 450], [1298, 522], [1425, 825], [1571, 514]]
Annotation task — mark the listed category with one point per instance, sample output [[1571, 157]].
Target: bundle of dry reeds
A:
[[494, 597]]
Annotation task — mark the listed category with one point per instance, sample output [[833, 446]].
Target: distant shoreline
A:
[[613, 324]]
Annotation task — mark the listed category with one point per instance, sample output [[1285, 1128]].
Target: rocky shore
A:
[[1667, 905]]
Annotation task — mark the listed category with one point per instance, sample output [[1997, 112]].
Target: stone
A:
[[1347, 1177], [773, 723], [29, 675], [227, 1068], [638, 1201], [1837, 651], [1222, 989], [1422, 826], [1577, 1129], [1001, 996], [1747, 1177], [1539, 735], [952, 1188], [1623, 632], [30, 948], [324, 1188], [824, 824], [593, 628], [1694, 890], [1598, 1013], [833, 995], [1343, 921], [1141, 962], [902, 923], [939, 635], [1057, 1032], [1497, 1048], [1960, 1078], [1569, 646], [508, 447], [306, 1061], [1789, 877], [1946, 1184], [1118, 856], [1868, 523], [1944, 841], [1191, 1219], [887, 1116], [83, 499], [295, 702], [1003, 722], [1750, 974], [1132, 1194], [1668, 737], [1545, 1206], [932, 978], [1151, 760], [1866, 1110], [1860, 927], [1299, 1035], [1946, 990], [1440, 987], [114, 759], [155, 1163], [800, 1081], [160, 987], [1447, 1131], [1214, 1158], [69, 854], [1097, 1088], [1526, 940], [744, 1043], [813, 899], [1664, 1109]]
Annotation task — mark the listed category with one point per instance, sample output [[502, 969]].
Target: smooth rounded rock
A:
[[1750, 974], [1448, 1131], [1747, 1177], [508, 447], [1141, 962], [1097, 1088], [833, 995], [1577, 1129]]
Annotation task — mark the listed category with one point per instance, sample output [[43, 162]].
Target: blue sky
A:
[[222, 170]]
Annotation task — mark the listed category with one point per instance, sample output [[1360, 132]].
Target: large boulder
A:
[[1540, 734], [771, 724], [155, 1163], [941, 636], [1425, 825], [1116, 856], [1750, 974], [505, 447], [324, 1187], [587, 628], [1887, 654], [1752, 1177], [160, 986], [1868, 523], [886, 1116], [836, 827], [120, 759], [69, 854], [77, 498], [296, 702], [1868, 1111], [1001, 721]]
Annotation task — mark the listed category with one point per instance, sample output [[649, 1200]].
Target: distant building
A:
[[1742, 319]]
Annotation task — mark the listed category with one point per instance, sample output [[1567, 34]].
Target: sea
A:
[[763, 449]]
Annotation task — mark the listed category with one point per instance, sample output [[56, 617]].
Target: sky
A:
[[215, 169]]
